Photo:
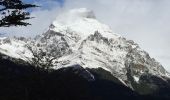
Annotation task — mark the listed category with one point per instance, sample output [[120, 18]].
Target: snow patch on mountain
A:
[[136, 78], [14, 48]]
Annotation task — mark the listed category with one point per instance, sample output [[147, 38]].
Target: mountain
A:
[[77, 41]]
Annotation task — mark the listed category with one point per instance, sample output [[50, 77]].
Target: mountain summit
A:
[[82, 22], [77, 38]]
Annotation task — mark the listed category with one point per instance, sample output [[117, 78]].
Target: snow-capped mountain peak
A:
[[82, 22], [91, 44], [78, 38]]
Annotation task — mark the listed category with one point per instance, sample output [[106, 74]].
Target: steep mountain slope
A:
[[78, 38]]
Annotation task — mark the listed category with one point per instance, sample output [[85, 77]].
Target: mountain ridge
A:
[[78, 38]]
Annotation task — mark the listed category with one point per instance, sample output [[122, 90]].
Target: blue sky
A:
[[144, 21], [32, 1], [44, 2]]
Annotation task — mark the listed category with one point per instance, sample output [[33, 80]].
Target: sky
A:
[[144, 21]]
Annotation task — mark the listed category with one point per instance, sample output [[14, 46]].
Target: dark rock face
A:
[[154, 85], [19, 81]]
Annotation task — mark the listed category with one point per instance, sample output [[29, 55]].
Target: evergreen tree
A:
[[13, 13]]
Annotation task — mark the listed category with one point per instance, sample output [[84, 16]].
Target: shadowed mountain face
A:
[[20, 81]]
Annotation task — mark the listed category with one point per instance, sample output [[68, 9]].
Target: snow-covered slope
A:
[[78, 38], [15, 48]]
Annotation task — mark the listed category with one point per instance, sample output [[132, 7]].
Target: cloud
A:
[[144, 21]]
